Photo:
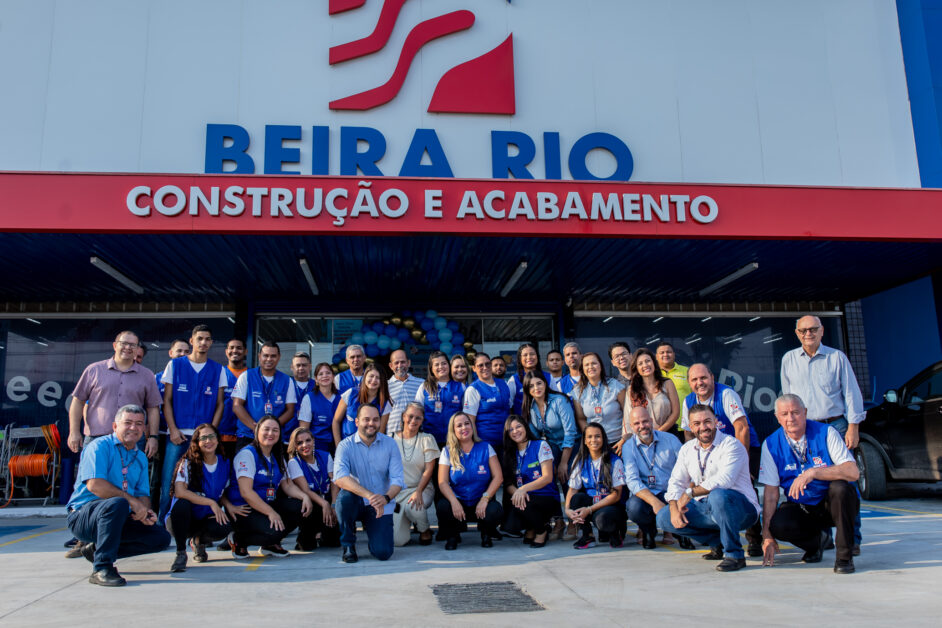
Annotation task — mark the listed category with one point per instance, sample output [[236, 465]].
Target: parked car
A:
[[902, 437]]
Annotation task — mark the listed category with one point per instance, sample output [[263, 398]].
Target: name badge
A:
[[124, 485], [270, 494], [438, 406], [598, 410], [269, 408], [650, 481]]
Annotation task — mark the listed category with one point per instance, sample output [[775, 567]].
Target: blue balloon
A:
[[432, 336], [337, 359], [459, 350], [431, 314], [370, 337], [445, 334], [457, 338], [452, 325], [403, 334], [356, 339], [372, 351], [365, 329], [418, 315], [390, 330], [406, 313], [378, 327], [394, 343], [427, 324], [440, 322], [383, 342], [445, 347]]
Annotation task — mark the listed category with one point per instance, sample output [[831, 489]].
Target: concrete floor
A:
[[898, 578]]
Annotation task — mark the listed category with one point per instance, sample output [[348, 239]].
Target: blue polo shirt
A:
[[105, 458]]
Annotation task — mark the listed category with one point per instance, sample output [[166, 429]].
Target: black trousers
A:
[[801, 525], [314, 525], [449, 526], [608, 519], [754, 532], [255, 529], [536, 516], [183, 525]]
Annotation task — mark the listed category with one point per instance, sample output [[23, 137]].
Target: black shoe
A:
[[829, 540], [107, 578], [844, 566], [350, 554], [616, 540], [224, 546], [856, 550], [452, 543], [815, 556], [303, 548], [275, 550], [685, 543], [755, 549], [425, 538], [715, 553], [199, 551], [731, 564], [179, 563], [239, 552], [486, 540], [584, 542], [88, 551], [497, 536], [648, 542]]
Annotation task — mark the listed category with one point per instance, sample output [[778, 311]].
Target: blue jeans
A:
[[172, 455], [716, 520], [107, 523], [350, 508], [841, 426], [642, 513]]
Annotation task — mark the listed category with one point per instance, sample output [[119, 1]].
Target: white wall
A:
[[735, 91]]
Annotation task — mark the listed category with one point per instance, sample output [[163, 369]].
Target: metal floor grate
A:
[[484, 597]]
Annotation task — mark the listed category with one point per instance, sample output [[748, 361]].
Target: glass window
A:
[[930, 388]]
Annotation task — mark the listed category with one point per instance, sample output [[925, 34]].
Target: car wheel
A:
[[872, 480]]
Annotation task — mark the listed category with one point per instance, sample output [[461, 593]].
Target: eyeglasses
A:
[[206, 438], [122, 343], [483, 365], [620, 356], [807, 330]]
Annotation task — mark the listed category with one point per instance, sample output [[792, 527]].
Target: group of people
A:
[[250, 455]]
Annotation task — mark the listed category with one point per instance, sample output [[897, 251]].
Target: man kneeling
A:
[[110, 508], [810, 461]]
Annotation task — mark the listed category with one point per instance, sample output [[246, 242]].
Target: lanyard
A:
[[520, 460], [594, 475], [124, 469], [645, 456], [800, 453], [705, 459], [541, 420], [267, 387]]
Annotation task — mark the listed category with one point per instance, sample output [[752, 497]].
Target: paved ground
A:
[[898, 579]]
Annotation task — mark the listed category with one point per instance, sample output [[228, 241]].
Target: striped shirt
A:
[[400, 394]]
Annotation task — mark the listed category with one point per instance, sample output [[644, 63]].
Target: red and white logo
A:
[[484, 84]]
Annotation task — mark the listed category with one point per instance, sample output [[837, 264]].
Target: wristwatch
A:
[[152, 436], [388, 498], [689, 493], [484, 495]]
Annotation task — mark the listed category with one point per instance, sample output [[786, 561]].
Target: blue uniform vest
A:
[[566, 384], [228, 422], [160, 389], [293, 421], [725, 425], [592, 485], [318, 481], [518, 393], [529, 469], [214, 485], [349, 427], [451, 397], [194, 394], [346, 381], [265, 483], [259, 392], [322, 417], [790, 466], [471, 483], [493, 411]]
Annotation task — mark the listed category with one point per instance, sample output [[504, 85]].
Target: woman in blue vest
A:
[[374, 391], [551, 419], [276, 505], [595, 489], [469, 477], [440, 395], [529, 482], [487, 401], [318, 408], [528, 361], [313, 471], [459, 370], [599, 399], [198, 497]]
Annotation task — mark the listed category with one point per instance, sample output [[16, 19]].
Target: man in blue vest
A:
[[811, 463], [178, 347], [261, 391], [194, 393], [356, 360], [303, 384], [730, 419]]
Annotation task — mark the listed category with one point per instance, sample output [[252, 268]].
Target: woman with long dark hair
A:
[[595, 489], [318, 408], [373, 391], [276, 505], [198, 497], [528, 361], [650, 388], [440, 396], [599, 399], [551, 418], [312, 471], [528, 482], [469, 477]]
